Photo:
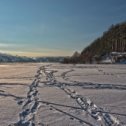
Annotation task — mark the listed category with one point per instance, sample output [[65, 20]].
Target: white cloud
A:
[[7, 45]]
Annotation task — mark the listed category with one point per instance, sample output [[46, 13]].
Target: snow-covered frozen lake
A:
[[52, 94]]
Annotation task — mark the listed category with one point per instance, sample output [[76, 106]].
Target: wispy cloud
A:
[[30, 50], [6, 45], [9, 45], [36, 54]]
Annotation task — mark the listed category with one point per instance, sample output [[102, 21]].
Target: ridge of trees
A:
[[113, 40]]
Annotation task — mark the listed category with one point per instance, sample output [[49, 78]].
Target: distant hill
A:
[[113, 40], [49, 59], [9, 58]]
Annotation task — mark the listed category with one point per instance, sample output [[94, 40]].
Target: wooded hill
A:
[[113, 40]]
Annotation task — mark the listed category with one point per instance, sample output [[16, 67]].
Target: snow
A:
[[53, 94]]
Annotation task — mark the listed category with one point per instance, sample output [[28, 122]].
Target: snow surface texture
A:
[[62, 95]]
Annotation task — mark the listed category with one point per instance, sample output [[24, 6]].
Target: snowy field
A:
[[45, 94]]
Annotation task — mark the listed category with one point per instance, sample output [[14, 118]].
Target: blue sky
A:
[[55, 27]]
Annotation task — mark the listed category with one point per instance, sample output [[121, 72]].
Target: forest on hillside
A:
[[113, 40]]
